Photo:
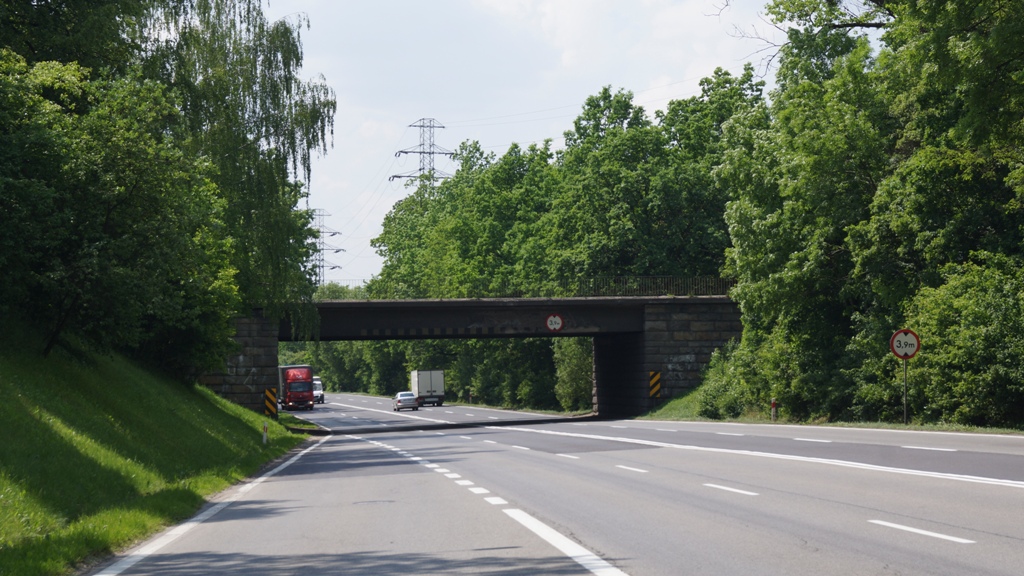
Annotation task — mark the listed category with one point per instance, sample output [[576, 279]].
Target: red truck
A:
[[295, 387]]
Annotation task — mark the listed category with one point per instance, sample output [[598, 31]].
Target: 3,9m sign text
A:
[[904, 344]]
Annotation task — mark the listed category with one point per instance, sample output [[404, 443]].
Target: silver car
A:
[[405, 400]]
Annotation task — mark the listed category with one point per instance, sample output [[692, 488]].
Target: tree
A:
[[28, 197], [95, 34], [972, 372], [118, 225], [860, 191], [162, 189], [611, 196], [574, 362], [693, 217], [247, 110]]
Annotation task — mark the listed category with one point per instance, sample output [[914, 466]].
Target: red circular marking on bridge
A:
[[555, 323]]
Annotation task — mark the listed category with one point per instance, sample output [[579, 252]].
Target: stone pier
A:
[[677, 341], [253, 368]]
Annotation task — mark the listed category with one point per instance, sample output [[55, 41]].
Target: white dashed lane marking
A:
[[631, 469], [577, 553], [734, 490], [922, 532]]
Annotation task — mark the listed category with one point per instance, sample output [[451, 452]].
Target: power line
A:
[[490, 120]]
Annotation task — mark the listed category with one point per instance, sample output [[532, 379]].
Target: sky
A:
[[493, 71]]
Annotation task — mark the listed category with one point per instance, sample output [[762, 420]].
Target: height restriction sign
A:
[[554, 322], [904, 344]]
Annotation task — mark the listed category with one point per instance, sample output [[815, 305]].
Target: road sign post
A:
[[905, 344]]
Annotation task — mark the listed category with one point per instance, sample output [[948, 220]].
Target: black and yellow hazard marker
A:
[[270, 402], [655, 384]]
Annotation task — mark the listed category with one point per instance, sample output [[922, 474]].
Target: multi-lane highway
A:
[[465, 490]]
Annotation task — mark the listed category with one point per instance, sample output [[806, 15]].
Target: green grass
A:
[[97, 454], [686, 408], [683, 407], [286, 419]]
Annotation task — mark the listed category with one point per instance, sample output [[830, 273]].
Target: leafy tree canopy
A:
[[151, 167]]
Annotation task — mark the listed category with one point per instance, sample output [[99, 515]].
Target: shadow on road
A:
[[367, 563]]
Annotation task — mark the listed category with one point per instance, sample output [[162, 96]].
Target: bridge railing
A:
[[651, 286], [379, 288]]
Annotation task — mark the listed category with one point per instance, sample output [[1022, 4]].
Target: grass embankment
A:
[[684, 407], [687, 408], [97, 453]]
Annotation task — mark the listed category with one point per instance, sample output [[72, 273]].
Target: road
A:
[[466, 490]]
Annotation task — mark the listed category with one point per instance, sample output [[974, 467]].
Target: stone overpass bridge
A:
[[635, 339]]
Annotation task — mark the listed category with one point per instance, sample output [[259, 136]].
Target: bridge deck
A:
[[485, 317]]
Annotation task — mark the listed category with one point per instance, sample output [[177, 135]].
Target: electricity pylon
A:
[[426, 150], [322, 246]]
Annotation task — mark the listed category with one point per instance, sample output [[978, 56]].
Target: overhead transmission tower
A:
[[426, 150], [321, 264]]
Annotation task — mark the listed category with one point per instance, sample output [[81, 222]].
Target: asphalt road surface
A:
[[458, 489]]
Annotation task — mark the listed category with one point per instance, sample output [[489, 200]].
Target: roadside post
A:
[[905, 344], [775, 410]]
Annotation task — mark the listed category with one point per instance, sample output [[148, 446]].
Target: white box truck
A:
[[428, 385]]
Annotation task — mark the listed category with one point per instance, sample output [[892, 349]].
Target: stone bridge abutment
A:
[[676, 344]]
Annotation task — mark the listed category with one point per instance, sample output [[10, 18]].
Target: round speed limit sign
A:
[[904, 344]]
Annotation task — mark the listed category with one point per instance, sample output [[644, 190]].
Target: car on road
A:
[[405, 400], [318, 390]]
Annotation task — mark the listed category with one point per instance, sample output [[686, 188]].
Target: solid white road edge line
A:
[[922, 532], [137, 555], [828, 461], [578, 553], [1003, 437]]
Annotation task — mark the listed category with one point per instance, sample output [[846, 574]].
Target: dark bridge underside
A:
[[477, 318], [673, 336]]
